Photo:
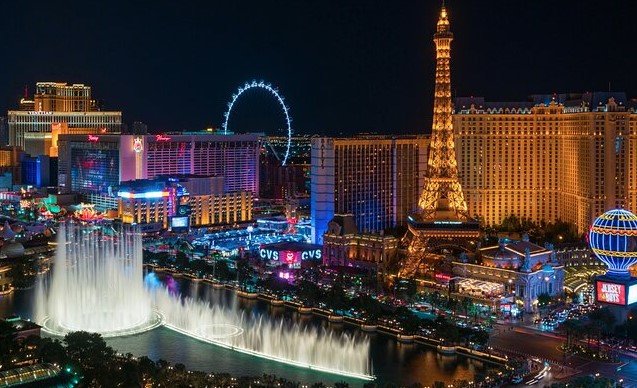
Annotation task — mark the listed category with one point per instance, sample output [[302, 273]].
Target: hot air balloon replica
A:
[[613, 239]]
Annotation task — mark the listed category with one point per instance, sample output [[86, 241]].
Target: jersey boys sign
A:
[[611, 293]]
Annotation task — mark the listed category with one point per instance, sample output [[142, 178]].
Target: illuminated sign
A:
[[314, 254], [290, 257], [447, 222], [138, 145], [269, 254], [162, 138], [148, 194], [632, 294], [611, 293], [442, 277], [93, 138], [179, 222]]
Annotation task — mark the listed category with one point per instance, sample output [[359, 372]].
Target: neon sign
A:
[[315, 254], [290, 257], [93, 138], [162, 138], [611, 293], [442, 277], [148, 194], [138, 146]]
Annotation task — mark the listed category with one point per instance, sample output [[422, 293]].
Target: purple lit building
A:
[[98, 163]]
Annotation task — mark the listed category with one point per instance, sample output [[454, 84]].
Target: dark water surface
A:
[[392, 361]]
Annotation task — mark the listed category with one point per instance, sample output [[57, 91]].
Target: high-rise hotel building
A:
[[98, 163], [57, 103], [376, 178], [566, 156]]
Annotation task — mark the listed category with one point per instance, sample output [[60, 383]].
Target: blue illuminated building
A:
[[375, 178], [39, 171]]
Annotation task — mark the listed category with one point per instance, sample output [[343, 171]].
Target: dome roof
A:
[[613, 239], [11, 250], [548, 268]]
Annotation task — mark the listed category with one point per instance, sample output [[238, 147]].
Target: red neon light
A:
[[443, 277], [93, 138], [289, 257], [611, 293], [162, 138]]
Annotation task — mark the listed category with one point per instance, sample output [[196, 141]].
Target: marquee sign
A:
[[290, 257], [93, 138], [138, 145], [612, 293]]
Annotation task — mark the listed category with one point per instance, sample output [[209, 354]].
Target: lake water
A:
[[392, 361]]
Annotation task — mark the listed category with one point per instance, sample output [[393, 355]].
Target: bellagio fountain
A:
[[98, 286]]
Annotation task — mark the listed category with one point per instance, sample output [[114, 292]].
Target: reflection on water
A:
[[392, 361]]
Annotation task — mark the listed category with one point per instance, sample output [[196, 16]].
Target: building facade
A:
[[95, 163], [55, 102], [566, 156], [376, 178], [182, 202], [10, 162], [516, 270], [344, 246]]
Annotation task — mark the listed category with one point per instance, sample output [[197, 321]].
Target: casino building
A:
[[288, 256], [517, 271], [57, 104], [375, 178], [563, 156], [97, 162], [179, 202], [343, 245]]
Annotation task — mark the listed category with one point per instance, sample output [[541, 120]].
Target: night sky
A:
[[344, 66]]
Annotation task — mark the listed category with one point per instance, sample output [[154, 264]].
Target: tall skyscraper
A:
[[566, 156], [4, 132], [377, 179], [441, 216], [59, 103]]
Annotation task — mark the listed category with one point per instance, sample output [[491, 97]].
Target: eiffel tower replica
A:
[[441, 221]]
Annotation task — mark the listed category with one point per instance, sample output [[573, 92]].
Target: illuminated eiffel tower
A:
[[441, 220]]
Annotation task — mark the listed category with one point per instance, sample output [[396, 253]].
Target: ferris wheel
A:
[[285, 153]]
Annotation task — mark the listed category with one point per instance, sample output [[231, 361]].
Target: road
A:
[[523, 341]]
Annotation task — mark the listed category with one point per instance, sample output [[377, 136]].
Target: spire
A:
[[443, 20]]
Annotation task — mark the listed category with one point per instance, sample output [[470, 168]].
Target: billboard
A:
[[179, 222], [612, 293], [94, 170], [290, 257], [632, 294]]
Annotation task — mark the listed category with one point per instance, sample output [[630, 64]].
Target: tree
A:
[[22, 272], [309, 292], [544, 299], [181, 260], [244, 272], [222, 271], [571, 328], [8, 345], [408, 320], [52, 351], [336, 299], [90, 352]]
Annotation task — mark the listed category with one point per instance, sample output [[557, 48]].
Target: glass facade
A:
[[94, 170]]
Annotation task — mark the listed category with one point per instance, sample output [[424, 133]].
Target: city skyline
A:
[[185, 63]]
